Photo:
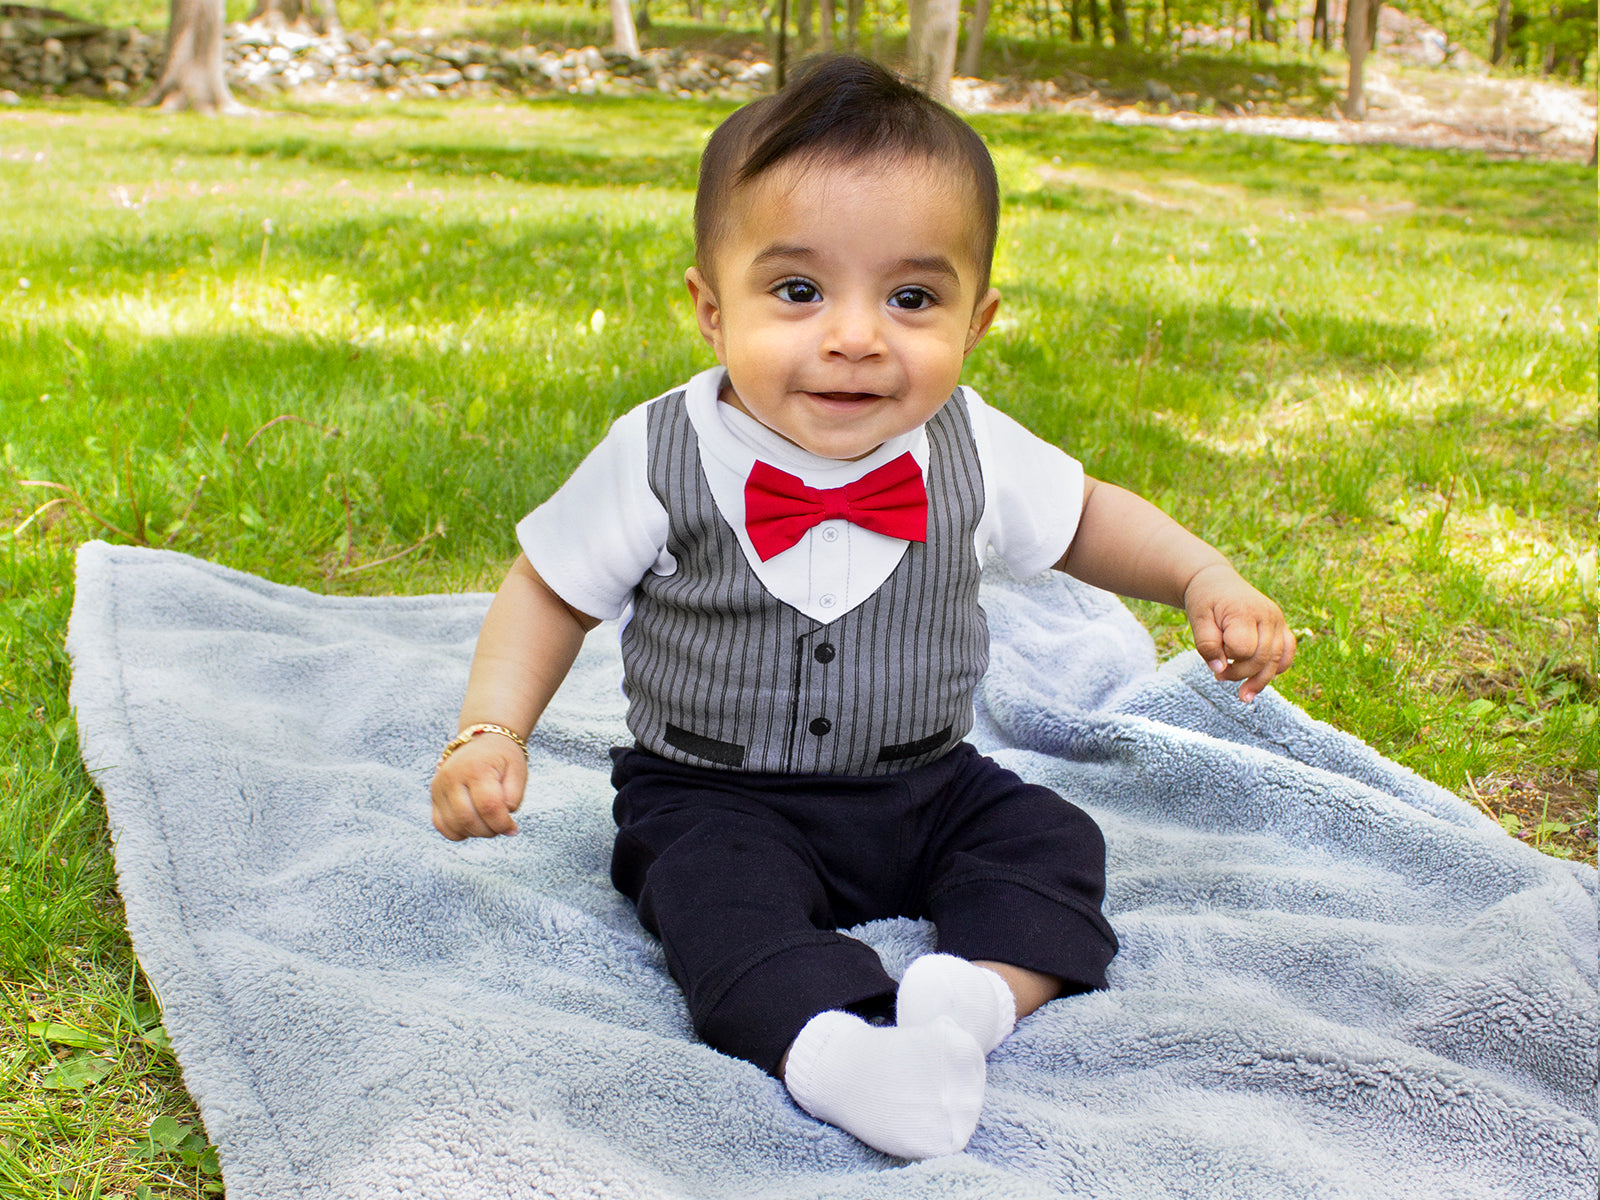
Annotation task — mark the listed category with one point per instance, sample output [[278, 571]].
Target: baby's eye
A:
[[912, 298], [797, 291]]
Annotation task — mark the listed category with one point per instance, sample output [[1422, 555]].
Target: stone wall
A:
[[36, 58]]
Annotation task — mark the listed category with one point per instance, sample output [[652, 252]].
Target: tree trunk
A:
[[623, 35], [852, 24], [1094, 21], [1267, 17], [802, 24], [1075, 28], [1319, 25], [825, 26], [931, 44], [1502, 26], [1119, 22], [1355, 44], [976, 22], [321, 16], [191, 75], [782, 56]]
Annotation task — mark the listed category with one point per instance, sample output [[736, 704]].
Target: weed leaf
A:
[[77, 1073], [65, 1035]]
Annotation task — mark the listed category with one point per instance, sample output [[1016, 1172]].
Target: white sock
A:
[[913, 1093], [974, 997]]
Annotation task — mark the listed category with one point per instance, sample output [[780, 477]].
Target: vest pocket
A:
[[727, 754], [912, 749]]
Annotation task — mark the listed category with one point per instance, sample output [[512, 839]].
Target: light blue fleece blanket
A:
[[1336, 979]]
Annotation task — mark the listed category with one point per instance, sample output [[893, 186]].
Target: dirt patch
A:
[[1553, 812], [1459, 108]]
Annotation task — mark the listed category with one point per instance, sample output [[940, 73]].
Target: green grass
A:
[[348, 348]]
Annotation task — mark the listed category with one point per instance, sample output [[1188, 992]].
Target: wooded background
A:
[[939, 37]]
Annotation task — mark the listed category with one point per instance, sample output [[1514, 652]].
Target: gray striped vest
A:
[[720, 673]]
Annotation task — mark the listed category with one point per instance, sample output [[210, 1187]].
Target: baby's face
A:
[[844, 301]]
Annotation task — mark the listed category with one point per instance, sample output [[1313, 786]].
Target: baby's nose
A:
[[855, 331]]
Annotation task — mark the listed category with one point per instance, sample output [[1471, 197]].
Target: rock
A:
[[258, 56], [1158, 92], [9, 97]]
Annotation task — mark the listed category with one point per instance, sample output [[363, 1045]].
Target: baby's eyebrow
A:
[[932, 264], [784, 252]]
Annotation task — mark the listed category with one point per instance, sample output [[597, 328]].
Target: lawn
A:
[[347, 348]]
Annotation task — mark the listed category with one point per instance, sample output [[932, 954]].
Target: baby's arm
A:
[[1127, 545], [525, 649]]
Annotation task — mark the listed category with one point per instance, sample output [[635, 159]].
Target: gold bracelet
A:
[[472, 731]]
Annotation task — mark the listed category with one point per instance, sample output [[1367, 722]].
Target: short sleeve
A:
[[604, 528], [1033, 492]]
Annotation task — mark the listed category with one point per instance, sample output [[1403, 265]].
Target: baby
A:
[[794, 539]]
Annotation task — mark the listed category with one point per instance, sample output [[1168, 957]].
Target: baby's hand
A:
[[1238, 631], [477, 788]]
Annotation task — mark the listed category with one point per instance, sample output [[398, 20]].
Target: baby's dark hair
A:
[[841, 109]]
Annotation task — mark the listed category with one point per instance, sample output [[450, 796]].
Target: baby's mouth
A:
[[846, 397]]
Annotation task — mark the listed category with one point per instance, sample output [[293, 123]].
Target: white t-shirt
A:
[[604, 528]]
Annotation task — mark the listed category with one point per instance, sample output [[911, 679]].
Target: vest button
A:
[[821, 726], [824, 653]]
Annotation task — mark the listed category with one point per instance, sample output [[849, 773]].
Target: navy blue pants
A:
[[746, 879]]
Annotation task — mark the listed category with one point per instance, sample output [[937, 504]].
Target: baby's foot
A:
[[911, 1092], [974, 997]]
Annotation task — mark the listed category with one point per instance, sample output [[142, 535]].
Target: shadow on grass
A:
[[554, 141], [531, 164], [445, 269], [1546, 200], [1215, 336]]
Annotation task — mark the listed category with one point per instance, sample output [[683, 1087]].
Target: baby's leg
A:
[[986, 999]]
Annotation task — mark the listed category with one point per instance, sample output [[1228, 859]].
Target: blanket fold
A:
[[1337, 980]]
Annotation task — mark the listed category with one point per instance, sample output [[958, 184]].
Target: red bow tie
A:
[[779, 508]]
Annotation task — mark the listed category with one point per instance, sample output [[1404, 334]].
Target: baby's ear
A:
[[982, 317], [707, 312]]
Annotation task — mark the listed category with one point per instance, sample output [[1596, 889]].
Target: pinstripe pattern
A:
[[735, 672]]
